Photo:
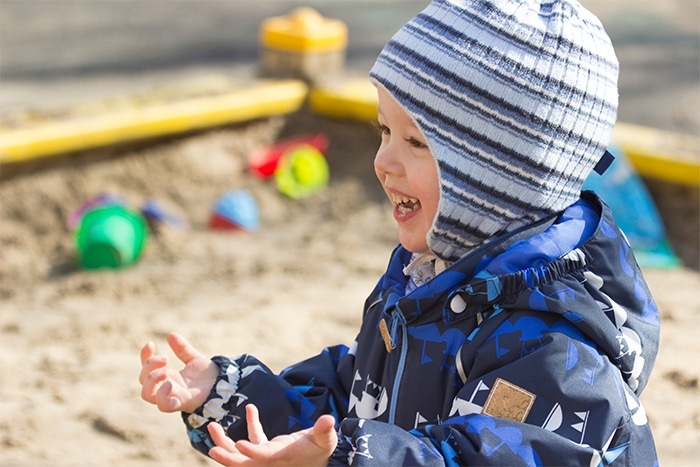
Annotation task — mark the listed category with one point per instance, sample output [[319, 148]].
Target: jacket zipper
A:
[[398, 325]]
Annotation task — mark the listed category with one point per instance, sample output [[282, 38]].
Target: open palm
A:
[[309, 447]]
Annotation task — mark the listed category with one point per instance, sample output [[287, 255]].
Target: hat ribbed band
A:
[[516, 99]]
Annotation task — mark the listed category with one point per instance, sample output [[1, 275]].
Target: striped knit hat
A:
[[516, 99]]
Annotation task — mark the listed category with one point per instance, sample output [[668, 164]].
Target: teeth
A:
[[405, 203], [403, 199]]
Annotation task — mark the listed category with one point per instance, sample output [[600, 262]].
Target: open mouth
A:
[[405, 204]]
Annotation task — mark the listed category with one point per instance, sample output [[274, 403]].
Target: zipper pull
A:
[[386, 337], [390, 337]]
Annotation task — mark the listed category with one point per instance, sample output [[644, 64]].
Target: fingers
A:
[[166, 400], [151, 364], [325, 436], [225, 452], [153, 375], [260, 454], [256, 449], [221, 455], [156, 387], [218, 435], [224, 457], [182, 349], [151, 380], [256, 434], [147, 351], [156, 379]]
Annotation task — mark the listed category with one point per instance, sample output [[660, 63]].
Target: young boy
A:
[[513, 325]]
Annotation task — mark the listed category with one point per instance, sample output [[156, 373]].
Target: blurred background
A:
[[70, 337], [56, 52]]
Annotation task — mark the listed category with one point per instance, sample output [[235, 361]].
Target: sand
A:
[[71, 337]]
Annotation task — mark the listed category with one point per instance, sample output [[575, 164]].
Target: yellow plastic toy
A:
[[302, 172], [303, 45]]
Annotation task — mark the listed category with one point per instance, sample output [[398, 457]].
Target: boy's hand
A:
[[173, 390], [310, 447]]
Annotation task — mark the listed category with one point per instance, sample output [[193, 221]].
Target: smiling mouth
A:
[[405, 204]]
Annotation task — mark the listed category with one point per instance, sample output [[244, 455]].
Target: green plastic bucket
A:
[[110, 236]]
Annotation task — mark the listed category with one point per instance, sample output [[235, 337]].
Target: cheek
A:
[[431, 197], [431, 206]]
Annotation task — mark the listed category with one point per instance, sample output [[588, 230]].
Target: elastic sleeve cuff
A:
[[370, 443], [217, 405]]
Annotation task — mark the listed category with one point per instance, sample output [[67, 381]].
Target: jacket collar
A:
[[509, 259]]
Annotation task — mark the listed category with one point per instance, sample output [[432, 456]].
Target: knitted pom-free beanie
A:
[[516, 99]]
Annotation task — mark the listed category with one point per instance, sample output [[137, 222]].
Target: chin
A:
[[414, 247]]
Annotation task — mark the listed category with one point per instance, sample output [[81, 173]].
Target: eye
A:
[[415, 143], [381, 129]]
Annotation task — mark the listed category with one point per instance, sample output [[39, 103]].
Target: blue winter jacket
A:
[[532, 350]]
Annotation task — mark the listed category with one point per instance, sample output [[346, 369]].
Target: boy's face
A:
[[408, 173]]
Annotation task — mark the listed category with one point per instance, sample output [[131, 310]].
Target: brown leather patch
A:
[[384, 331], [506, 400]]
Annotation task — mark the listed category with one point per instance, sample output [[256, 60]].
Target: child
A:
[[513, 325]]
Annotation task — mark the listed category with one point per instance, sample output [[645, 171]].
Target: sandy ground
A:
[[70, 338]]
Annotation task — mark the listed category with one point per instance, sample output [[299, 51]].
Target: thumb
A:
[[325, 436], [182, 348]]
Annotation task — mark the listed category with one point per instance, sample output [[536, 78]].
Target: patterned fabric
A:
[[516, 99], [531, 353], [422, 269]]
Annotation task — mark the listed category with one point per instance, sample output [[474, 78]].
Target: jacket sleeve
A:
[[533, 398], [287, 402]]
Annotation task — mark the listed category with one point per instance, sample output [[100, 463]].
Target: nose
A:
[[385, 160]]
